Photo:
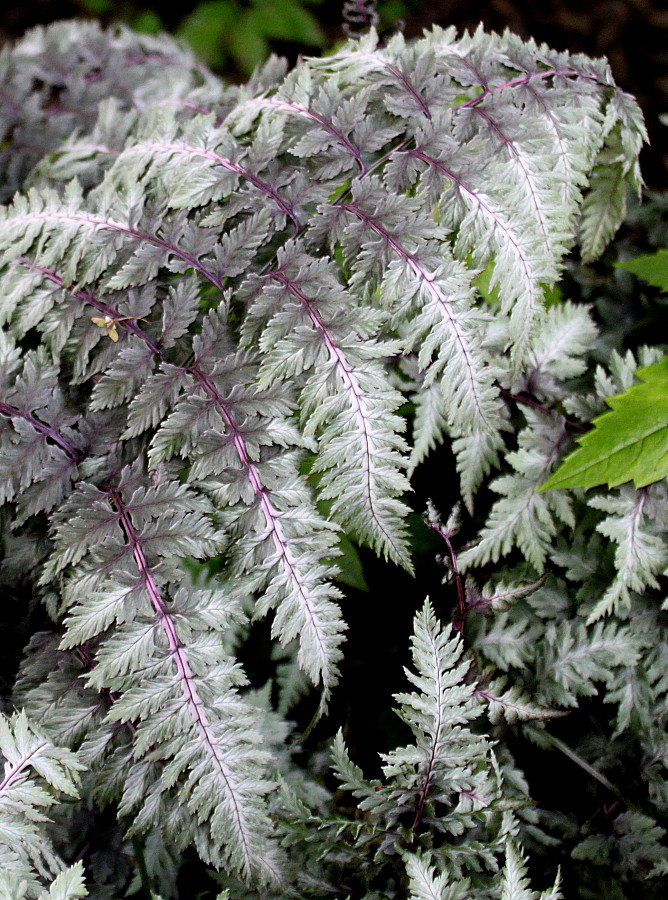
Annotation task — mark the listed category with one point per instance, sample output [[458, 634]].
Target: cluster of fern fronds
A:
[[236, 320]]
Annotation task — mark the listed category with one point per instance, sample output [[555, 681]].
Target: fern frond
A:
[[511, 704], [26, 852], [635, 524], [336, 136], [615, 173], [577, 658], [308, 326], [188, 712], [206, 399], [41, 447], [425, 287], [217, 165], [61, 233], [222, 425], [514, 880], [522, 517], [55, 77], [443, 760], [425, 883]]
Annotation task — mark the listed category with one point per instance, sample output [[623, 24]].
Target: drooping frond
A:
[[492, 224], [310, 330], [219, 166], [201, 413], [221, 425], [429, 298], [423, 286], [160, 654], [615, 173]]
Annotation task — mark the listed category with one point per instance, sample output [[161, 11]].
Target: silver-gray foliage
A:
[[215, 303]]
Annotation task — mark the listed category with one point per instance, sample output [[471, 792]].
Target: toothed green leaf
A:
[[628, 443]]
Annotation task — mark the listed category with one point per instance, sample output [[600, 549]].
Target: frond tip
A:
[[35, 773]]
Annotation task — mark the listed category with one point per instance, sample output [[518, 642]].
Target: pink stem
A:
[[20, 766], [13, 412], [255, 180], [525, 79], [327, 126], [432, 289], [183, 669], [346, 373], [110, 225]]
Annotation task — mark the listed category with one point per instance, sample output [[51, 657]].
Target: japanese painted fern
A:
[[216, 304]]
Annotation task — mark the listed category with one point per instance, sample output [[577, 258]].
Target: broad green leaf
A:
[[627, 443], [248, 45], [207, 28], [148, 22], [285, 20], [652, 268]]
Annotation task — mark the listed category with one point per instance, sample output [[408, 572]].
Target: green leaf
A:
[[96, 7], [629, 442], [652, 268], [483, 282], [350, 565], [247, 44], [148, 22], [285, 20], [207, 28]]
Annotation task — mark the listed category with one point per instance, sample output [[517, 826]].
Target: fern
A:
[[220, 306], [26, 853]]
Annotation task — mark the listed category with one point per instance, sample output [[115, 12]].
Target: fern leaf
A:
[[615, 171], [311, 327], [511, 704], [25, 850], [522, 517], [425, 884], [190, 718], [429, 289], [441, 762], [634, 523], [514, 881]]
